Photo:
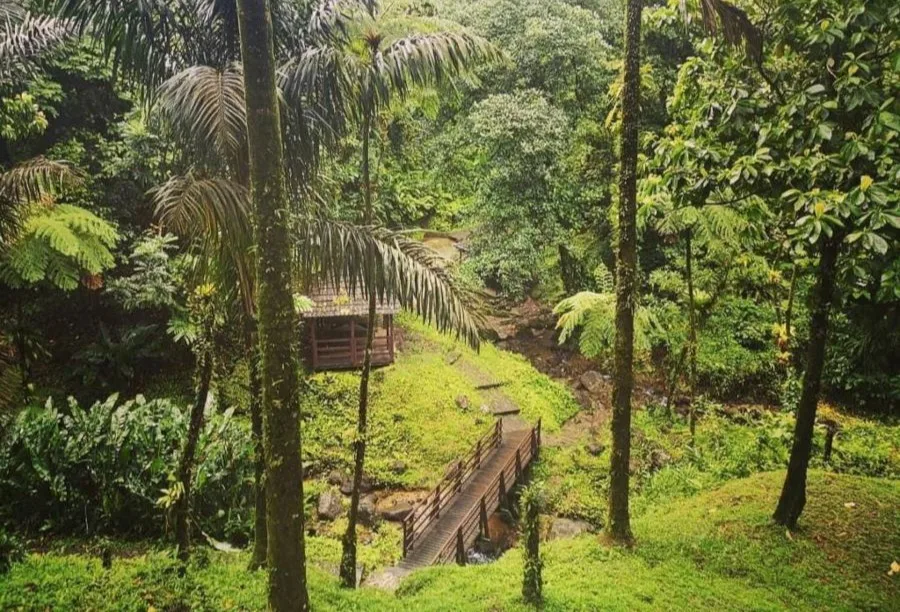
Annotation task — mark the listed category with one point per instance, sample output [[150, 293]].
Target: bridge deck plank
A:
[[445, 527]]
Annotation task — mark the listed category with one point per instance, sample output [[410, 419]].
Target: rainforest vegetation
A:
[[271, 269]]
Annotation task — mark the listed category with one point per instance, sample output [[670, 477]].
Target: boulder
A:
[[365, 486], [367, 513], [329, 506], [335, 477], [592, 381], [462, 402], [397, 512], [398, 467], [584, 399], [567, 528]]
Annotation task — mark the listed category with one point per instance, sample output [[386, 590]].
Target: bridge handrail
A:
[[429, 509], [508, 477]]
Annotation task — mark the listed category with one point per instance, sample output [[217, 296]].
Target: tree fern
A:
[[594, 314], [59, 245], [29, 182]]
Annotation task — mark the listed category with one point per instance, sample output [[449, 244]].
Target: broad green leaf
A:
[[890, 120]]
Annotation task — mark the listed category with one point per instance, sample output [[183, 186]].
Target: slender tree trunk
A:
[[618, 524], [692, 330], [22, 345], [674, 377], [186, 465], [789, 311], [348, 556], [286, 557], [532, 580], [793, 493], [260, 539]]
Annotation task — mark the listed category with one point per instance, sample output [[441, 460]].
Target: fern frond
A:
[[594, 315], [59, 245]]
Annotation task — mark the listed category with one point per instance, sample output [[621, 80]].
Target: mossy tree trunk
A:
[[258, 557], [277, 321], [181, 509], [618, 524], [793, 493], [348, 554]]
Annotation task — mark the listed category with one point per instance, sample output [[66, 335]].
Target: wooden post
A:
[[353, 341], [483, 519], [405, 538], [459, 476], [460, 548], [499, 427], [389, 321], [478, 455], [518, 466], [315, 345]]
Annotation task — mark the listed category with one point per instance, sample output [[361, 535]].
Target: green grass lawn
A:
[[717, 550]]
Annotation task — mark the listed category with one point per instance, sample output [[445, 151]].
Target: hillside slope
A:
[[717, 550]]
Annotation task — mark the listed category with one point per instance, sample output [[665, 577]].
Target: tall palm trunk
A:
[[260, 539], [277, 320], [692, 330], [348, 556], [186, 464], [793, 493], [618, 523]]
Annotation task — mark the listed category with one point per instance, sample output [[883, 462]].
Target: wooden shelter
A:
[[337, 327]]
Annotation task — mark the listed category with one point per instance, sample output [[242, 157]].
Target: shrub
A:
[[11, 551], [100, 470]]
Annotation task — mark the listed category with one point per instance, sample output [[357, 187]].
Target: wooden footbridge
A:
[[443, 526]]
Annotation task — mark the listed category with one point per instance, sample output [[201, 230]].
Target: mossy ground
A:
[[717, 550], [415, 418]]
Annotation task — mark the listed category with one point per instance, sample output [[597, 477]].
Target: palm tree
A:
[[719, 17], [359, 63], [277, 320]]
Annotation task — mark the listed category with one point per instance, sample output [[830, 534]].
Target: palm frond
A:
[[138, 35], [205, 106], [319, 79], [330, 18], [32, 180], [720, 16], [24, 36], [405, 270], [215, 214], [427, 59]]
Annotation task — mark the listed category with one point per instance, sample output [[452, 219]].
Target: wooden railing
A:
[[497, 494], [429, 509]]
